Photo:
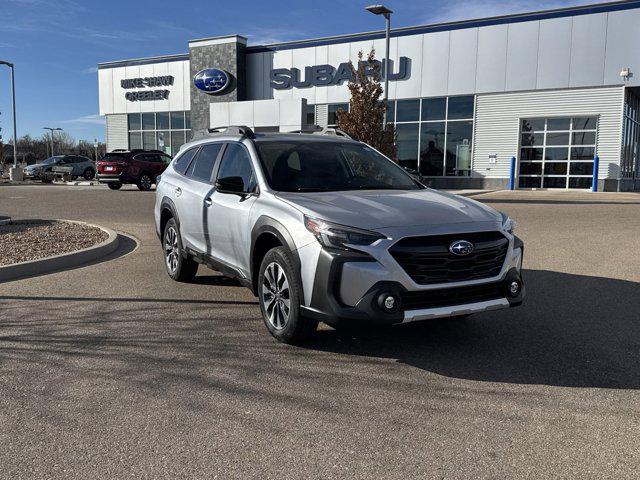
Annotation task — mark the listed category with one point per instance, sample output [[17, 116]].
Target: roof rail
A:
[[333, 131], [234, 130], [307, 129]]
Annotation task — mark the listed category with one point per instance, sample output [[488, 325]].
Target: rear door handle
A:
[[208, 201], [178, 191]]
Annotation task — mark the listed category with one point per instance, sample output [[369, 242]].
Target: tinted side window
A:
[[202, 166], [237, 163], [182, 162], [166, 159]]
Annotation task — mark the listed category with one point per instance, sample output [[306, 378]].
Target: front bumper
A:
[[35, 175], [340, 272]]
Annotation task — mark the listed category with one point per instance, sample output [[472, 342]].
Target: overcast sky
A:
[[56, 44]]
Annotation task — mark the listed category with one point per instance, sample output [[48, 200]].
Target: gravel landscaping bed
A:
[[22, 241]]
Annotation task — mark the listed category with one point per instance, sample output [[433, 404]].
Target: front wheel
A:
[[280, 295], [180, 267], [144, 182], [115, 185]]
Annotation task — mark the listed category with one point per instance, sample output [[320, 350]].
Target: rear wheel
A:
[[88, 174], [280, 294], [180, 267], [144, 182], [115, 185]]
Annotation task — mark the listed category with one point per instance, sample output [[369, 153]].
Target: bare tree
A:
[[365, 119]]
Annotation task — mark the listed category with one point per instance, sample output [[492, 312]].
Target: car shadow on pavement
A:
[[572, 331]]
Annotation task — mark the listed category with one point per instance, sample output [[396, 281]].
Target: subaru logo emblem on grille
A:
[[461, 247]]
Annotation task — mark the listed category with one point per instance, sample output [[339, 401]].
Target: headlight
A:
[[332, 235], [508, 224]]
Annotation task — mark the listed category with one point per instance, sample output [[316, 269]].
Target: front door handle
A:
[[208, 201], [178, 191]]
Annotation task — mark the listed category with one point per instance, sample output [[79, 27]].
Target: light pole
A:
[[13, 96], [52, 130], [382, 10]]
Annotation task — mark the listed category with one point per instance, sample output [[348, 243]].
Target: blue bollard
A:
[[596, 164], [512, 174]]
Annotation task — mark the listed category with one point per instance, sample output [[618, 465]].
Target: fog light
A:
[[389, 303], [514, 288]]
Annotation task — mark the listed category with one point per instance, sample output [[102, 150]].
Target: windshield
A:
[[51, 160], [321, 166]]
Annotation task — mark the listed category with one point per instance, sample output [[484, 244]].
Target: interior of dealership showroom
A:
[[533, 99]]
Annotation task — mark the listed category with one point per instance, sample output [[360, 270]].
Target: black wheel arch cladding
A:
[[264, 228]]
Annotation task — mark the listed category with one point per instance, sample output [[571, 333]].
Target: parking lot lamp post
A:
[[13, 96], [382, 10], [52, 130]]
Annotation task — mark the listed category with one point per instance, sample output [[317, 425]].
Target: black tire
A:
[[145, 182], [180, 267], [88, 173], [115, 185], [287, 325]]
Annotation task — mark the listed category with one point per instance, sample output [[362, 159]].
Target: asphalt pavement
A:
[[112, 370]]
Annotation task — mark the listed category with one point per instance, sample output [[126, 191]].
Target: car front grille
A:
[[452, 296], [427, 260]]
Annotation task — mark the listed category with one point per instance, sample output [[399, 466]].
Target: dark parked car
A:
[[78, 165], [139, 167]]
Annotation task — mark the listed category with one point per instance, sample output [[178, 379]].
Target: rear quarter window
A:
[[182, 162]]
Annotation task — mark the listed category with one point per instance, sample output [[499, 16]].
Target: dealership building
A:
[[552, 89]]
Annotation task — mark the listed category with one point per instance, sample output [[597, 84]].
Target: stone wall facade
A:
[[228, 56]]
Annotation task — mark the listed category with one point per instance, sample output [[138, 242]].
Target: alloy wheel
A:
[[145, 181], [171, 248], [275, 296]]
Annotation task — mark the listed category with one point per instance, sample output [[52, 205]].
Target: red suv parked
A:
[[140, 167]]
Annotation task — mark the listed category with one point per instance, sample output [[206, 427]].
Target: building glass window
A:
[[557, 152], [135, 140], [432, 148], [460, 108], [166, 131], [148, 121], [177, 120], [407, 135], [630, 161], [332, 111], [162, 121], [311, 114], [407, 110], [434, 109], [443, 135]]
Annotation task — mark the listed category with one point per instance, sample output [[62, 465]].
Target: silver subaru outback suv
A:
[[324, 228]]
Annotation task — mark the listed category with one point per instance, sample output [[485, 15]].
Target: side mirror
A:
[[233, 185]]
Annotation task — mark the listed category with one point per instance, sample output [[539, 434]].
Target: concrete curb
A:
[[64, 261]]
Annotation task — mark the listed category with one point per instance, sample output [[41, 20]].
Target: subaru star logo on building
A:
[[212, 80], [461, 247]]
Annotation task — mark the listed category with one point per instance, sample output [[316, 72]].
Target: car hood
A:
[[373, 209]]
